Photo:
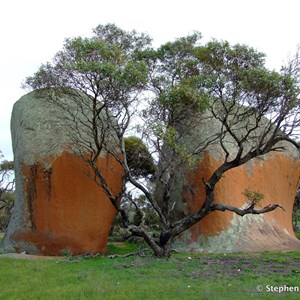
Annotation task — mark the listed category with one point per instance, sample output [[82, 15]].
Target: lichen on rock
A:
[[275, 175], [58, 204]]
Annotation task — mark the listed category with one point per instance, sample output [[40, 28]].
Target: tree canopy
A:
[[7, 183], [160, 95], [139, 159]]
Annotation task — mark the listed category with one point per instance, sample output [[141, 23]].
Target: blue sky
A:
[[33, 31]]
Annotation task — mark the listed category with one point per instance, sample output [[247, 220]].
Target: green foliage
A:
[[151, 218], [296, 210], [296, 217], [171, 137], [6, 165], [253, 197], [237, 74], [7, 194], [185, 84], [6, 204], [174, 80], [105, 66], [182, 97], [220, 56], [139, 159]]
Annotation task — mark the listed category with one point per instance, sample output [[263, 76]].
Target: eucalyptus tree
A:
[[7, 185], [168, 90], [6, 178], [105, 69]]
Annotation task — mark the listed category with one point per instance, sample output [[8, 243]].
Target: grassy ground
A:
[[184, 276]]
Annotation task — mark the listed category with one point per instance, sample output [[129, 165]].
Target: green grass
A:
[[184, 276], [123, 247], [297, 235], [181, 277]]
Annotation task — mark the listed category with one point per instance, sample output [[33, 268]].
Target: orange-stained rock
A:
[[69, 211], [59, 206], [276, 176]]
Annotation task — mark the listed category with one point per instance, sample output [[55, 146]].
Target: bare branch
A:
[[249, 210]]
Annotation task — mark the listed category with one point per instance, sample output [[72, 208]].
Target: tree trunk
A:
[[164, 246]]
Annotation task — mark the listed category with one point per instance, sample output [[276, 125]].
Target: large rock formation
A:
[[58, 206], [275, 175]]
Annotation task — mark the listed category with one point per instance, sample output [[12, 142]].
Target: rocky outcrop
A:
[[275, 175], [58, 206]]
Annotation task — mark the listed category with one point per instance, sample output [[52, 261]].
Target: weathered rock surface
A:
[[275, 175], [58, 205]]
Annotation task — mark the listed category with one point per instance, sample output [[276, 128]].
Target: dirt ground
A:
[[212, 266], [258, 264], [27, 256], [207, 266]]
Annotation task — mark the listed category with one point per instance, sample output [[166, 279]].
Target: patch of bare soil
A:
[[258, 264], [209, 266], [28, 256]]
